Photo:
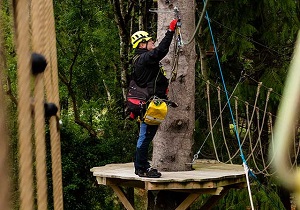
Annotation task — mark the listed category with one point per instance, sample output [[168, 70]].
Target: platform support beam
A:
[[214, 199], [209, 204], [188, 201], [122, 197]]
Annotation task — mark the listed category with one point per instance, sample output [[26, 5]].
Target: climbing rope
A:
[[249, 123], [258, 142], [221, 121], [255, 148], [52, 93], [210, 120], [38, 46], [44, 45], [198, 152], [177, 47], [24, 108], [199, 22], [231, 113], [178, 44], [224, 86]]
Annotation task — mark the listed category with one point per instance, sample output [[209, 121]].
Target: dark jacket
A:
[[148, 71]]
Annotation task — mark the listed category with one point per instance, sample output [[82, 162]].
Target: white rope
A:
[[197, 154], [248, 184], [260, 163], [210, 121]]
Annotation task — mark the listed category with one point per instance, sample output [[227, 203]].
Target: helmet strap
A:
[[146, 45]]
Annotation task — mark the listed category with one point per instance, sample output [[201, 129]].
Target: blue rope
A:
[[226, 93]]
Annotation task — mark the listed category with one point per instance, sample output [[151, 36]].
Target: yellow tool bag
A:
[[156, 112]]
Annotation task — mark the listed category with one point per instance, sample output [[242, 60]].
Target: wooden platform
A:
[[208, 178]]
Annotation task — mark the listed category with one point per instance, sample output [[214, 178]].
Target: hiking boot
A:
[[150, 173], [140, 172], [153, 173]]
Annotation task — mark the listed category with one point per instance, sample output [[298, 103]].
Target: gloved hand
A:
[[173, 25]]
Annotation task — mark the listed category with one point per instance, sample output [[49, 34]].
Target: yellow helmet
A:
[[139, 36]]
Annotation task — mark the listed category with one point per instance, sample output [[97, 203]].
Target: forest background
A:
[[254, 38]]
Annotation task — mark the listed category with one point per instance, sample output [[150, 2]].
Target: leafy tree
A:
[[253, 37], [87, 64], [254, 40]]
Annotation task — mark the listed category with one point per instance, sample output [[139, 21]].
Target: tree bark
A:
[[166, 200], [172, 145]]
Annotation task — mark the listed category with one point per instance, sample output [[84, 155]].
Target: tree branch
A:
[[9, 91], [68, 83]]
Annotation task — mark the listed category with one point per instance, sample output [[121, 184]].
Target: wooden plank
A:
[[188, 201], [124, 182], [193, 196], [207, 175], [204, 172], [212, 191], [192, 185], [101, 180], [122, 197], [213, 200]]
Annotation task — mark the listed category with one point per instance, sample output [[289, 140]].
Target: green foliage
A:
[[86, 36], [238, 199], [6, 28], [255, 41], [262, 32], [256, 37], [80, 153]]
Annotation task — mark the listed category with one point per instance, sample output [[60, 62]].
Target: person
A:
[[148, 72]]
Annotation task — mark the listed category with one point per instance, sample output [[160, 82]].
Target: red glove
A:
[[173, 25]]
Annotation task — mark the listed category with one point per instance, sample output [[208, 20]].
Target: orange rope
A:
[[38, 44], [24, 107]]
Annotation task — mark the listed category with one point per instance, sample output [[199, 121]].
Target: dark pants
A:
[[147, 133]]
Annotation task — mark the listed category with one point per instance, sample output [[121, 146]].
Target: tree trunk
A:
[[172, 145], [165, 200]]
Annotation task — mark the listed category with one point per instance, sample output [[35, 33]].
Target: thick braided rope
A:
[[24, 108], [4, 175], [210, 120], [221, 122], [260, 130], [38, 46], [51, 81], [249, 122]]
